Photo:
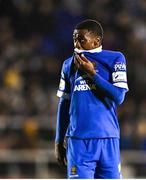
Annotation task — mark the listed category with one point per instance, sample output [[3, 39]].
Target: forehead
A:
[[82, 33]]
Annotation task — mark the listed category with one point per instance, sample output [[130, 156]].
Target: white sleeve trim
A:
[[121, 85], [63, 94]]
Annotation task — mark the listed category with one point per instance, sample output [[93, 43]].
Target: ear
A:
[[97, 41]]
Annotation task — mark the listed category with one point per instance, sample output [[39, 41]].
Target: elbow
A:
[[120, 99], [120, 96]]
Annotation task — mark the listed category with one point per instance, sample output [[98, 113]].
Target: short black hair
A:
[[91, 25]]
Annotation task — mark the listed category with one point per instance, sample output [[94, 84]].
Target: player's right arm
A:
[[62, 116], [61, 128]]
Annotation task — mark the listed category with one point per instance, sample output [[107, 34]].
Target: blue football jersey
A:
[[92, 113]]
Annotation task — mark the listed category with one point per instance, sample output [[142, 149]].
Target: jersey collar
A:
[[96, 50]]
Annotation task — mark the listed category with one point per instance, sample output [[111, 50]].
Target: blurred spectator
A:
[[140, 143], [28, 138]]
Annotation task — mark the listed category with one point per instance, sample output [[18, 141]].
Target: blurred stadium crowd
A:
[[35, 38]]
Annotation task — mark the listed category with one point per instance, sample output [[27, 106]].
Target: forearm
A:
[[115, 93], [62, 120]]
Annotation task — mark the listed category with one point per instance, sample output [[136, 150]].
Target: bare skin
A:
[[85, 40], [82, 63], [60, 153]]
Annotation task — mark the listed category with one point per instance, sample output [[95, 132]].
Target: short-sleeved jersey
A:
[[92, 113]]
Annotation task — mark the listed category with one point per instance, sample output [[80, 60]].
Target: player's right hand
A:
[[82, 63], [60, 153]]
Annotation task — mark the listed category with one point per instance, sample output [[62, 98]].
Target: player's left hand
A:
[[82, 63]]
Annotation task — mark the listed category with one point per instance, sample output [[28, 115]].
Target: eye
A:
[[79, 39], [82, 40]]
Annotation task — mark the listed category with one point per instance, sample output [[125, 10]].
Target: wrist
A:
[[92, 73], [59, 143]]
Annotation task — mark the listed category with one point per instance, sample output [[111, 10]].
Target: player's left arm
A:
[[114, 92]]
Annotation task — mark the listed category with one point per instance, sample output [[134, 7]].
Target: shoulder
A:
[[67, 63], [113, 54]]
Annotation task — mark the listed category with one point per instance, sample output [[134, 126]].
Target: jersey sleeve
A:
[[119, 74], [64, 85]]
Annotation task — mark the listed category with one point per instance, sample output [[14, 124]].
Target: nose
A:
[[77, 44]]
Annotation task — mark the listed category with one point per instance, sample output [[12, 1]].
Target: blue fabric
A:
[[115, 93], [62, 120], [93, 158], [93, 102]]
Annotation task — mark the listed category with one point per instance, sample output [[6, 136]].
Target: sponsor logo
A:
[[119, 76], [81, 77], [84, 76], [120, 66], [83, 86]]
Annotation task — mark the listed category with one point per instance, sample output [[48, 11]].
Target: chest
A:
[[81, 78]]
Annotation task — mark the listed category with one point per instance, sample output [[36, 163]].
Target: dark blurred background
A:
[[35, 38]]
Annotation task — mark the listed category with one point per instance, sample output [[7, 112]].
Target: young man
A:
[[93, 83]]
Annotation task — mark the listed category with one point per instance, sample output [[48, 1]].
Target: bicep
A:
[[119, 73]]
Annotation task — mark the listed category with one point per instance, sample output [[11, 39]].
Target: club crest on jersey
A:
[[73, 170], [120, 66]]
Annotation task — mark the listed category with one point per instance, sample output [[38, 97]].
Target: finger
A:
[[65, 160], [84, 58], [94, 63], [80, 60], [60, 158], [76, 59], [61, 161], [76, 63]]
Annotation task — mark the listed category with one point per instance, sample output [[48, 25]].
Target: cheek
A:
[[91, 44], [88, 45]]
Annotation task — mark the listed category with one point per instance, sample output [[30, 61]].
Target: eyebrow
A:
[[78, 35]]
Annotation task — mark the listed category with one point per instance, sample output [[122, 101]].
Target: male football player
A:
[[93, 83]]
